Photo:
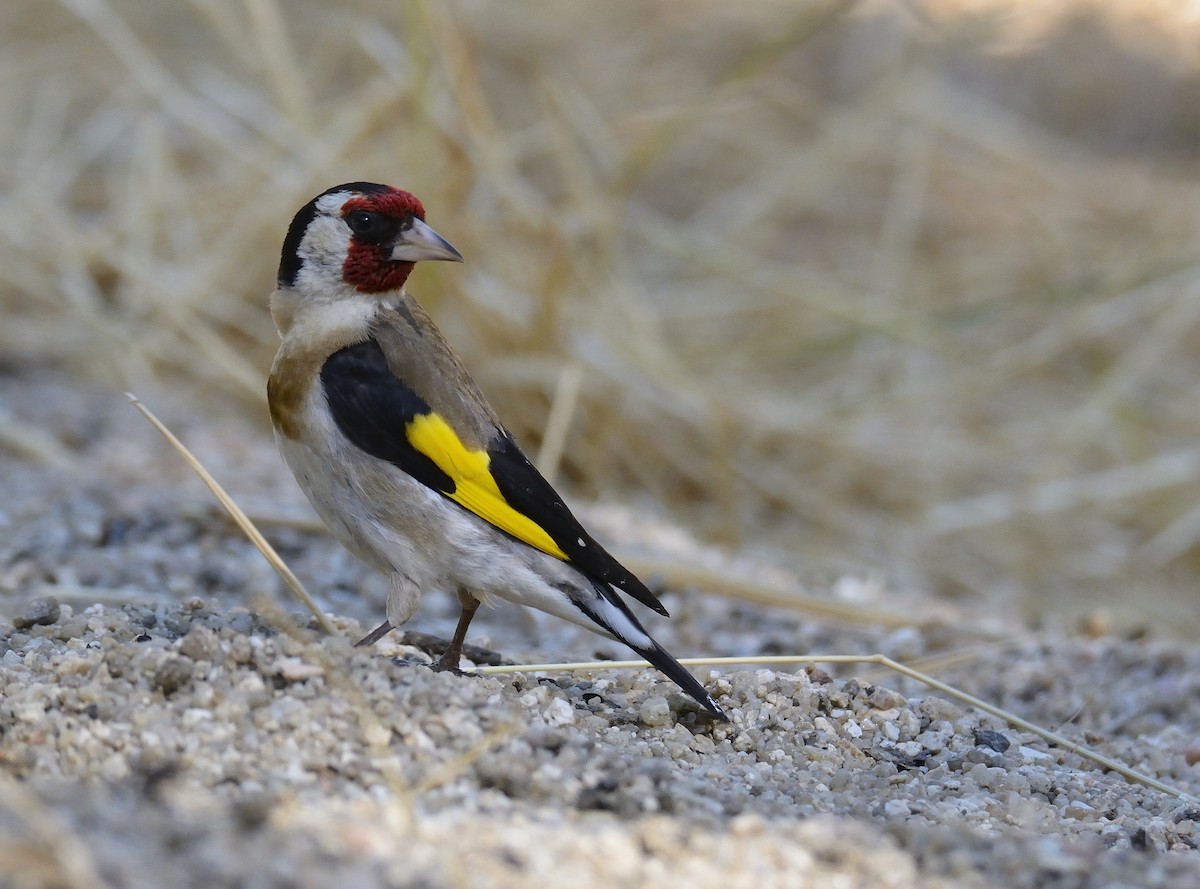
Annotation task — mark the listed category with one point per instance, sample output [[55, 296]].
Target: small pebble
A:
[[559, 713], [896, 808], [200, 644], [991, 739], [293, 669], [173, 675], [39, 612], [655, 711]]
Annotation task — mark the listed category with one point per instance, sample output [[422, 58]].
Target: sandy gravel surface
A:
[[169, 720]]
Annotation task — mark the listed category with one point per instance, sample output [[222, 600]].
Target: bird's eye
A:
[[365, 224]]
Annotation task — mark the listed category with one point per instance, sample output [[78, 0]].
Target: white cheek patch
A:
[[323, 252]]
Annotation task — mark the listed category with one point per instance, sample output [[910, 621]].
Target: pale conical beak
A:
[[420, 242]]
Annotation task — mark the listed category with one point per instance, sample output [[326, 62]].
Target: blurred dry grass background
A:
[[902, 288]]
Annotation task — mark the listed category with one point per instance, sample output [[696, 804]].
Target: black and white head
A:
[[360, 235]]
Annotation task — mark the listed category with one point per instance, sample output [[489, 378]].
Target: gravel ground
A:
[[164, 721]]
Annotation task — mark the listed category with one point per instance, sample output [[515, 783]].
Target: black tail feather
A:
[[681, 676], [658, 656]]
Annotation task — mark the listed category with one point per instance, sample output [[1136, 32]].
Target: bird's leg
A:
[[453, 653], [375, 635]]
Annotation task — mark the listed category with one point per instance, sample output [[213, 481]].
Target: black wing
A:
[[373, 408], [528, 492]]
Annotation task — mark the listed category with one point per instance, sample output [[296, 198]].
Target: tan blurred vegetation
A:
[[908, 289]]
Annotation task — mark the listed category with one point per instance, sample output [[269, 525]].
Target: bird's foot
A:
[[449, 662]]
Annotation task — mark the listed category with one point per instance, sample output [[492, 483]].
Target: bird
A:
[[400, 454]]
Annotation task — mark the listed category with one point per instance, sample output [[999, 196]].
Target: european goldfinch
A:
[[398, 451]]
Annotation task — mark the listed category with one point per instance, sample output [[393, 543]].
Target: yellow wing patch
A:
[[475, 488]]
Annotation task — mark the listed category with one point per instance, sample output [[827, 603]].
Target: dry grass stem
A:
[[558, 423], [31, 443], [242, 520]]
